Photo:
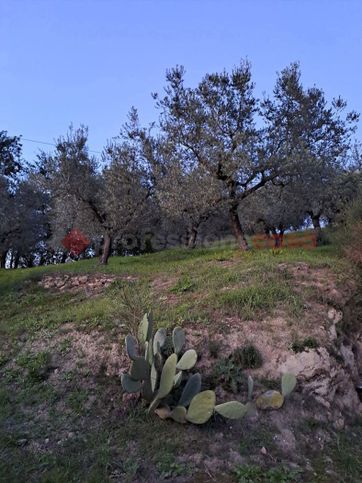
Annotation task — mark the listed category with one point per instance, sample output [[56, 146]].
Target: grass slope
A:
[[70, 425]]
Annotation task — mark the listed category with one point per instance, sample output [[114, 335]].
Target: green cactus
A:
[[149, 353], [147, 391], [154, 378], [270, 400], [177, 379], [167, 376], [178, 414], [139, 369], [131, 347], [250, 388], [187, 361], [232, 410], [178, 339], [130, 385], [159, 340], [289, 381], [201, 407], [192, 387], [145, 329]]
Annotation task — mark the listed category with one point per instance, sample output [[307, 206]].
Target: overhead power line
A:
[[52, 144]]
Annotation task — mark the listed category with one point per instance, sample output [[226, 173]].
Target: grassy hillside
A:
[[63, 416]]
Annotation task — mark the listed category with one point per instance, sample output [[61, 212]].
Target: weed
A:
[[77, 400], [36, 364], [307, 343], [247, 357], [130, 301], [229, 374], [229, 371], [256, 474], [214, 348], [184, 284], [65, 346], [168, 467]]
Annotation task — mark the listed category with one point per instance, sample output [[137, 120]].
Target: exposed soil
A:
[[90, 283]]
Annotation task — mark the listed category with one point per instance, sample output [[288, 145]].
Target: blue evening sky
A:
[[88, 61]]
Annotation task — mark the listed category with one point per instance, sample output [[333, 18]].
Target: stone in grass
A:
[[270, 400]]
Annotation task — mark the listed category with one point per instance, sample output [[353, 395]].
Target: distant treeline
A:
[[217, 161]]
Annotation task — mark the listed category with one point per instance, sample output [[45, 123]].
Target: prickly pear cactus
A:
[[160, 376]]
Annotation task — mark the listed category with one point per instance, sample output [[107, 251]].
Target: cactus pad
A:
[[192, 387], [178, 339], [250, 388], [188, 360], [270, 400], [178, 414], [201, 407], [145, 329], [167, 376], [159, 340], [177, 379], [131, 347], [139, 369], [130, 385], [154, 377], [289, 381], [232, 410]]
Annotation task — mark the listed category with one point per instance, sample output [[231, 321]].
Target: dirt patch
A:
[[90, 283], [327, 373], [322, 280], [161, 288]]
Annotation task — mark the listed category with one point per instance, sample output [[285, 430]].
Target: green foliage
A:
[[214, 348], [256, 474], [229, 371], [228, 374], [184, 284], [247, 357], [262, 296], [37, 365], [307, 343]]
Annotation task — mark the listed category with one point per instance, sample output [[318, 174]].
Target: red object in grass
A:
[[75, 242]]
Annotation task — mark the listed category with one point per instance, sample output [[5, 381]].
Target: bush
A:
[[350, 236]]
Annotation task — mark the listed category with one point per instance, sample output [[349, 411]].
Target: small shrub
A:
[[247, 357], [131, 301], [349, 233], [229, 371], [229, 375], [307, 343], [214, 348]]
